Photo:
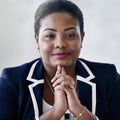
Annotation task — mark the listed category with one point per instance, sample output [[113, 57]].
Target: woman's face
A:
[[59, 40]]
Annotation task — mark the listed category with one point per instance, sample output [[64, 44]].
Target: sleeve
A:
[[114, 101], [8, 98]]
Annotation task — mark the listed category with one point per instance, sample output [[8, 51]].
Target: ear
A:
[[36, 38], [82, 37]]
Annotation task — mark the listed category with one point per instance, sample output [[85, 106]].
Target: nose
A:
[[60, 43]]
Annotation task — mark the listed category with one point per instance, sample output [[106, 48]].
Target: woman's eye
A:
[[70, 35], [50, 36]]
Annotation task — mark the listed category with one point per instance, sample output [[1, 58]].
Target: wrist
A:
[[84, 113], [78, 111], [51, 114], [57, 113], [81, 113]]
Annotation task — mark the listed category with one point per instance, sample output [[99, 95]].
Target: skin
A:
[[60, 43]]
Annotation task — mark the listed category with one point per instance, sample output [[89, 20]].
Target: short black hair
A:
[[53, 6]]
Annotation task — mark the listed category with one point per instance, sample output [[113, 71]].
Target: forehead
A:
[[59, 20]]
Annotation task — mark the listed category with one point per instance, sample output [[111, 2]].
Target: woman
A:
[[59, 85]]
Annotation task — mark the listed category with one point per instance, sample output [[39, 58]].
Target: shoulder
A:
[[13, 75], [104, 72], [99, 66], [18, 70], [106, 76]]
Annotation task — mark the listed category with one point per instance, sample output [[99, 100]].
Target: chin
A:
[[64, 64]]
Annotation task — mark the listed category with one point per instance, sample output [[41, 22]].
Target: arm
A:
[[8, 100], [59, 107], [60, 103], [114, 101], [74, 105]]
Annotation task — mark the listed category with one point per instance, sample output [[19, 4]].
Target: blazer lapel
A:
[[36, 87], [86, 88]]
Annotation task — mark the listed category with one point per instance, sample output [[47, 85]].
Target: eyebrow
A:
[[70, 28], [51, 29]]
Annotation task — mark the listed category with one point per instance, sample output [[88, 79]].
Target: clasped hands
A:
[[65, 96]]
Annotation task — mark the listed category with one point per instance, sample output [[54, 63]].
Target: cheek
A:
[[44, 47], [76, 46]]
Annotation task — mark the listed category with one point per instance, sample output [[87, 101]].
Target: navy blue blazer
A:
[[21, 90]]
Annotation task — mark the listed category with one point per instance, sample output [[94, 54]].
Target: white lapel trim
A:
[[93, 85], [41, 81], [31, 86]]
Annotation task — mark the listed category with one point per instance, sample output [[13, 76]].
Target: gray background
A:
[[102, 24]]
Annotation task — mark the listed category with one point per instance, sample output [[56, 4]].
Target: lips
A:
[[61, 55]]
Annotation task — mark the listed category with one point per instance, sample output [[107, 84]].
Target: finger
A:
[[59, 69], [62, 80], [54, 78], [70, 79], [58, 80], [59, 87], [66, 85], [62, 77], [63, 70]]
